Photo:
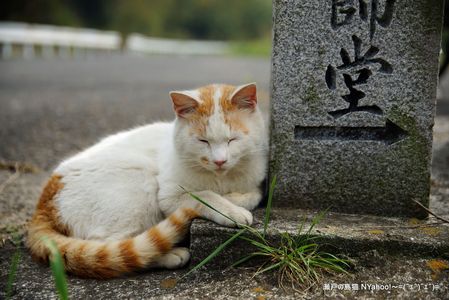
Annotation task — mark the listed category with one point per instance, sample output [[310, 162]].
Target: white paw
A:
[[176, 258], [238, 214], [248, 200]]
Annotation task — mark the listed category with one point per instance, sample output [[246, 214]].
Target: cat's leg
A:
[[247, 200], [174, 259], [223, 205]]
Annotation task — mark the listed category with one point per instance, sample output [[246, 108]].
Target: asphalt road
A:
[[50, 109]]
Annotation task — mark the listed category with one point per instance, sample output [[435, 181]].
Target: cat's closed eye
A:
[[204, 141], [231, 140]]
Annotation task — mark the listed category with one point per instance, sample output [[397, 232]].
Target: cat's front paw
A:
[[234, 197], [239, 214], [247, 200]]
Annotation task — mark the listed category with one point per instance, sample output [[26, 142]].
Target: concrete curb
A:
[[339, 233]]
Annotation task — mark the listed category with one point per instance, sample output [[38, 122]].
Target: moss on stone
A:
[[312, 98], [430, 8], [417, 147], [311, 95]]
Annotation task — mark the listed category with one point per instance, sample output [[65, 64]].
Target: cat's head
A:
[[218, 126]]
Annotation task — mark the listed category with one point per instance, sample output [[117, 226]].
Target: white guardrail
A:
[[142, 44], [67, 41], [50, 37]]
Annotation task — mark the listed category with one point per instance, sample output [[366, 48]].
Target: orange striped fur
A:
[[101, 259]]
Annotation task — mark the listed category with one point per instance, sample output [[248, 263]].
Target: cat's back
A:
[[135, 147], [112, 185]]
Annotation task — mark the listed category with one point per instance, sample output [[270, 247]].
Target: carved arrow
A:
[[389, 134]]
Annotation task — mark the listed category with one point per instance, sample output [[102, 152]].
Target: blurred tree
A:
[[200, 19], [94, 14], [39, 11], [218, 19], [146, 17]]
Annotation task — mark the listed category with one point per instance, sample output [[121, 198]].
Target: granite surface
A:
[[353, 104]]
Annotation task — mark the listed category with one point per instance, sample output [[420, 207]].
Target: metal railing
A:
[[28, 41], [141, 44], [54, 40]]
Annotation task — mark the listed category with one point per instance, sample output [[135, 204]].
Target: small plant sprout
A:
[[12, 274], [57, 268], [15, 238], [297, 258]]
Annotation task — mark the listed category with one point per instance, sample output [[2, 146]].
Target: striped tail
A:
[[102, 259]]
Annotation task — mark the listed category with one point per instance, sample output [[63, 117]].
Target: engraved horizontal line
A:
[[389, 134]]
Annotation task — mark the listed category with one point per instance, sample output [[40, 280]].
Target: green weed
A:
[[57, 268], [297, 259], [16, 240], [12, 274]]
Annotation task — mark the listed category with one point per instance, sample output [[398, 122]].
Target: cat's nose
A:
[[219, 163]]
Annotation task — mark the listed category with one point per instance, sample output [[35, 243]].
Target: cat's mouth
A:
[[221, 171]]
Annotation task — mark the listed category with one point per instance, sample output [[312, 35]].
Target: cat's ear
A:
[[245, 96], [183, 103]]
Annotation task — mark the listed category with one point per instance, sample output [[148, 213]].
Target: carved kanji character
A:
[[383, 20], [339, 8], [364, 73], [343, 11]]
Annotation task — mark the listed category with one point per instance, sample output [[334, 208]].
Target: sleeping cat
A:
[[121, 205]]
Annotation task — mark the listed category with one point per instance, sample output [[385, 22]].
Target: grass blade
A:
[[242, 260], [258, 244], [271, 267], [12, 274], [57, 267], [316, 220], [257, 234], [332, 263], [268, 208], [305, 248], [215, 252]]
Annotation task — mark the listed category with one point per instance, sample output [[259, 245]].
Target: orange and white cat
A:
[[119, 206]]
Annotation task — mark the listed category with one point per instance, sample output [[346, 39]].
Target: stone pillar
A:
[[353, 102]]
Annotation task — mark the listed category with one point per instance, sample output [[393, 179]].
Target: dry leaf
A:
[[258, 289], [414, 221], [431, 230], [437, 265], [168, 283]]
